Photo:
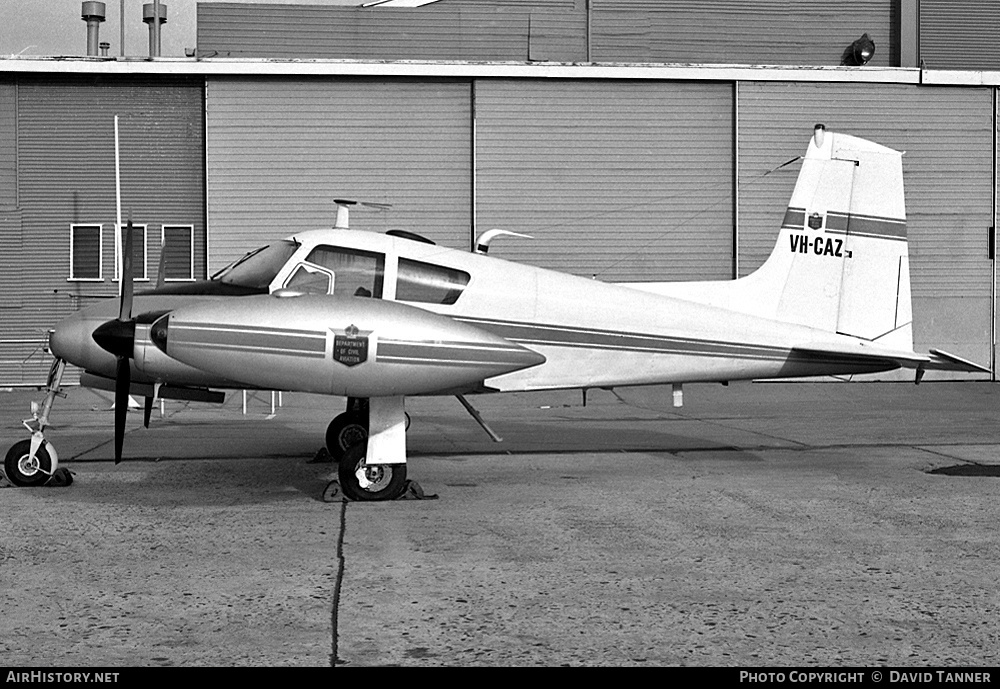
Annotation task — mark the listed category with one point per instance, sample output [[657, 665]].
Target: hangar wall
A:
[[573, 164], [568, 162], [280, 151], [959, 34], [812, 32], [540, 30], [64, 134]]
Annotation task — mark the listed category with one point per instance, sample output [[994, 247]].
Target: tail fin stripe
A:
[[886, 228], [794, 218], [872, 235]]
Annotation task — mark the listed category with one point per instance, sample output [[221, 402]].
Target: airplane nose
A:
[[69, 339], [72, 341]]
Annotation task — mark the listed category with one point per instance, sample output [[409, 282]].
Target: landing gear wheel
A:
[[24, 471], [361, 481], [345, 431]]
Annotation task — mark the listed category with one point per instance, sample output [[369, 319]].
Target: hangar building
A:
[[633, 139]]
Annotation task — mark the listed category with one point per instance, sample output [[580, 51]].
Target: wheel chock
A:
[[322, 456], [412, 491], [60, 478], [332, 492]]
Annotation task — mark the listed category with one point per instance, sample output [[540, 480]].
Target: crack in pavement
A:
[[335, 640]]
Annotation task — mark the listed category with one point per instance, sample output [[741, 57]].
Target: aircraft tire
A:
[[345, 431], [387, 481], [23, 473]]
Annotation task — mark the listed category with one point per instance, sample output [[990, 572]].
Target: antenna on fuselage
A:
[[483, 243], [343, 214]]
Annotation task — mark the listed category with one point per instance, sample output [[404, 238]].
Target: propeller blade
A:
[[125, 310], [161, 271], [147, 411], [123, 381]]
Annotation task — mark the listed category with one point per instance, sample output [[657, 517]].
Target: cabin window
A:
[[86, 249], [355, 273], [139, 266], [178, 252], [427, 283]]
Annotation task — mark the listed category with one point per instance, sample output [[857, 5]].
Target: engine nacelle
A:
[[351, 346], [153, 363]]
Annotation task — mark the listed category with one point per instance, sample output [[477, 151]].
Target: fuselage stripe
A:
[[557, 336], [208, 336], [248, 348]]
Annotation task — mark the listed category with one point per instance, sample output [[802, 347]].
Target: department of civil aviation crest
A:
[[350, 345]]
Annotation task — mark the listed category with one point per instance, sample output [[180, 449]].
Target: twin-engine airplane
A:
[[378, 317]]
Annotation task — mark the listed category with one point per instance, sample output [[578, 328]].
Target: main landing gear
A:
[[34, 462], [368, 441], [348, 439], [348, 429], [369, 482]]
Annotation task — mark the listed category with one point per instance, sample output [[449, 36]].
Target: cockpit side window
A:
[[428, 283], [310, 279], [355, 273]]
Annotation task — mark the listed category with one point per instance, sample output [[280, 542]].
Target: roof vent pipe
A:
[[93, 13], [149, 14]]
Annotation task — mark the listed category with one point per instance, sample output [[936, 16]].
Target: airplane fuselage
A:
[[577, 332]]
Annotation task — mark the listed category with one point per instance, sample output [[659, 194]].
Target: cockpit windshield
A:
[[257, 269]]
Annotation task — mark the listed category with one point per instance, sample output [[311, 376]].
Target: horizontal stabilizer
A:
[[863, 351], [943, 361]]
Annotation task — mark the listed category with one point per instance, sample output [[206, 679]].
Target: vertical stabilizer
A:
[[840, 263]]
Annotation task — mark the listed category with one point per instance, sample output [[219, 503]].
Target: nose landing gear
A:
[[34, 462], [28, 467]]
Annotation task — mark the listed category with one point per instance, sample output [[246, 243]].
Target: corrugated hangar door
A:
[[66, 179], [959, 34], [622, 181], [947, 134], [281, 150]]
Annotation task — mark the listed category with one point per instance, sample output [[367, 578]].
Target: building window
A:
[[428, 283], [177, 243], [86, 248], [139, 260]]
